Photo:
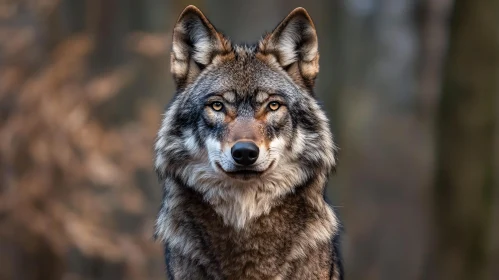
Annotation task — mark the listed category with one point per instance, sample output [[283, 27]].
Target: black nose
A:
[[245, 153]]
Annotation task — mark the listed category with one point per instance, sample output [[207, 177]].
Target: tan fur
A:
[[245, 130]]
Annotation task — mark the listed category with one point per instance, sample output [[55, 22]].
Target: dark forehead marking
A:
[[228, 96]]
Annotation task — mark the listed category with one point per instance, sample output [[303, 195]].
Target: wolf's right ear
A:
[[195, 45]]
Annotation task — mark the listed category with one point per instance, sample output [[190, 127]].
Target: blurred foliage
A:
[[78, 195]]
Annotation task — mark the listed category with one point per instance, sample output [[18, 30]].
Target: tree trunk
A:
[[384, 147], [465, 142]]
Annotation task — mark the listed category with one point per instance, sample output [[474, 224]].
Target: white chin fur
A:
[[223, 157], [237, 201]]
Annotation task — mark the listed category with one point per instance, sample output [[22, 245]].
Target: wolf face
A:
[[244, 127]]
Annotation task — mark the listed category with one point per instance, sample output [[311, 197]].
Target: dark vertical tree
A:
[[384, 152], [465, 141]]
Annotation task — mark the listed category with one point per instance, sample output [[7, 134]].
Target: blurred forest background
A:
[[411, 88]]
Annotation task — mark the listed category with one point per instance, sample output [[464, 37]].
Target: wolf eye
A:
[[274, 105], [217, 106]]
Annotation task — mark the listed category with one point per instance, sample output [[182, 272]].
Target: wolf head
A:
[[244, 117]]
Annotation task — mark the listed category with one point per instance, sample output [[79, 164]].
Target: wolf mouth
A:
[[244, 174]]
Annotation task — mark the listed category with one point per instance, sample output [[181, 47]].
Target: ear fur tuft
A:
[[195, 44], [294, 45]]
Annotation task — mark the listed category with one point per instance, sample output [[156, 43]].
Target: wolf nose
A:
[[245, 153]]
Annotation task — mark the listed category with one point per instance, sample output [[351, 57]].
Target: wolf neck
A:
[[238, 207], [302, 210]]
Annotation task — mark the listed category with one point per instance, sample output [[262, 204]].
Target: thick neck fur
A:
[[291, 227], [239, 206]]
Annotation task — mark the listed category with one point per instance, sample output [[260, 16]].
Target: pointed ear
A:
[[195, 45], [294, 46]]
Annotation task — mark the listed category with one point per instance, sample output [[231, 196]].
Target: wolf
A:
[[243, 154]]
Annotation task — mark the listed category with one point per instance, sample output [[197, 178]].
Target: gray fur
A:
[[275, 225]]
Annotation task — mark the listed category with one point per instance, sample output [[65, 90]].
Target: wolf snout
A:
[[245, 152]]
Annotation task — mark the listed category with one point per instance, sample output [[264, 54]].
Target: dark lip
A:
[[244, 174]]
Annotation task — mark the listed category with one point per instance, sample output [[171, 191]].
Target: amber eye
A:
[[217, 106], [274, 105]]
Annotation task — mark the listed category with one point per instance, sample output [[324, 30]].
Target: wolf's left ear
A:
[[294, 46], [196, 43]]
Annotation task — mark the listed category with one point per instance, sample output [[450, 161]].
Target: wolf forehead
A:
[[243, 73]]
